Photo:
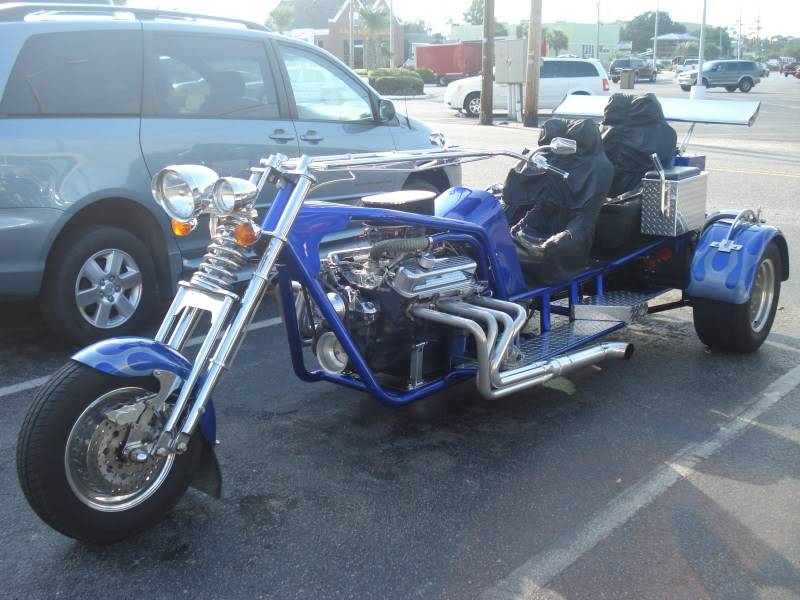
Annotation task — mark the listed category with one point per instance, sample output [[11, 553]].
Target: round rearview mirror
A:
[[560, 145], [386, 110]]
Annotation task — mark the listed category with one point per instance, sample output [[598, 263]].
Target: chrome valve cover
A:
[[427, 276]]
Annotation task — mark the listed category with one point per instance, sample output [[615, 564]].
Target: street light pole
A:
[[655, 41], [487, 74], [698, 89], [597, 46]]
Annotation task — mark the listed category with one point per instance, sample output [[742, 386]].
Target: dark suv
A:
[[642, 69], [94, 101]]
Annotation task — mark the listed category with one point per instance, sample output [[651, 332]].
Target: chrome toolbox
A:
[[673, 201]]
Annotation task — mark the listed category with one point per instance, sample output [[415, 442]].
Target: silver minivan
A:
[[94, 101]]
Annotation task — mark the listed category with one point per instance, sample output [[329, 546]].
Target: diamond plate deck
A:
[[618, 305]]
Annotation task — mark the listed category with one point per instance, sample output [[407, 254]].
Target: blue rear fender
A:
[[139, 357], [728, 276]]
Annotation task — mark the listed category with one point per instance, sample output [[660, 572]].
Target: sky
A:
[[778, 17]]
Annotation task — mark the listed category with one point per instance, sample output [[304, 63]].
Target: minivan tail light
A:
[[605, 85]]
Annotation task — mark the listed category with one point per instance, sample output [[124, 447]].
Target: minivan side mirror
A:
[[386, 110]]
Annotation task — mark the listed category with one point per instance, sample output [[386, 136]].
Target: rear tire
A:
[[416, 183], [472, 104], [50, 486], [653, 77], [745, 85], [84, 255], [742, 327], [686, 88]]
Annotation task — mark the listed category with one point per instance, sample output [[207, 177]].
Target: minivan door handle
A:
[[312, 137], [280, 135]]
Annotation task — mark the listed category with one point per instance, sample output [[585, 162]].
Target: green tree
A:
[[418, 26], [557, 40], [281, 17], [375, 22], [640, 30], [474, 14]]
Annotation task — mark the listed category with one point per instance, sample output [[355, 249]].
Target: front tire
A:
[[686, 88], [742, 327], [472, 104], [70, 467], [100, 283]]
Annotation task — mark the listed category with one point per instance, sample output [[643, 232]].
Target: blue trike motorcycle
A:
[[510, 287]]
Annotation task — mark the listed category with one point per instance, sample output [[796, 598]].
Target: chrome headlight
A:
[[183, 190], [231, 194]]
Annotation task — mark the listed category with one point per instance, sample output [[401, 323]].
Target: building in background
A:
[[582, 38], [669, 43], [325, 23]]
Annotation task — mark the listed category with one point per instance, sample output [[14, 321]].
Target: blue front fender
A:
[[728, 276], [139, 357]]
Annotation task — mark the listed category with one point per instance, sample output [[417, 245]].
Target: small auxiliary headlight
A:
[[182, 190], [231, 194]]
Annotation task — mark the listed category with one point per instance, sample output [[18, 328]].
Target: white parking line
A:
[[530, 580], [34, 383]]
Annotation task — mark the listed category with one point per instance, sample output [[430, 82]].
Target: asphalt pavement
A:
[[673, 475]]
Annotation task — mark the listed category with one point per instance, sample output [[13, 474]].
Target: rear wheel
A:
[[417, 183], [443, 81], [71, 464], [686, 88], [742, 327], [745, 85], [730, 88], [705, 83], [472, 104], [652, 76]]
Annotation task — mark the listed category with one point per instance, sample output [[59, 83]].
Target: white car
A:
[[558, 78], [688, 65]]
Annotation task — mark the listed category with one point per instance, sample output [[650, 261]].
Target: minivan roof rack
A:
[[18, 11]]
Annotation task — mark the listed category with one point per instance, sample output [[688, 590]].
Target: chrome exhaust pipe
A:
[[496, 384]]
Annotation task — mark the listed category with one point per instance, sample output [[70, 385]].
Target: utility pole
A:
[[597, 46], [739, 39], [655, 41], [698, 89], [530, 117], [392, 61], [351, 51], [487, 75]]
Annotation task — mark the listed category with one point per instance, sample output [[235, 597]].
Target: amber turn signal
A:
[[183, 228], [247, 233]]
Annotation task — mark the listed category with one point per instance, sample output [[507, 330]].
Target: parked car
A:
[[730, 74], [789, 69], [764, 70], [558, 78], [642, 69], [687, 65], [94, 102]]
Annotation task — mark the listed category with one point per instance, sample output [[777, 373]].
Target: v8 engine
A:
[[374, 288]]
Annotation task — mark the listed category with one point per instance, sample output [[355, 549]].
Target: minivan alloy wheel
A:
[[108, 288]]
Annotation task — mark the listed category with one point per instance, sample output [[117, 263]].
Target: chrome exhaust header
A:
[[493, 345]]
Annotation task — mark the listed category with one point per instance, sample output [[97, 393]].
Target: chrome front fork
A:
[[230, 317]]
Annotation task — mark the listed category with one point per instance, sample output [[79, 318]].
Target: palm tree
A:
[[375, 21], [557, 40]]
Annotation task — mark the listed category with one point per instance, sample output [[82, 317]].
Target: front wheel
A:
[[472, 104], [686, 88], [742, 327], [71, 464]]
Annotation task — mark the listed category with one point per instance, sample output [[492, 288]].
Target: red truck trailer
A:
[[450, 61]]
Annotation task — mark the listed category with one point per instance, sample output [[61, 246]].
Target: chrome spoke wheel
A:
[[762, 295], [108, 288], [98, 471], [474, 105]]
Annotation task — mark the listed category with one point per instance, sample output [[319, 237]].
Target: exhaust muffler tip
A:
[[629, 351]]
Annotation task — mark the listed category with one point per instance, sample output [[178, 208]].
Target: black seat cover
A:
[[554, 237], [635, 129]]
